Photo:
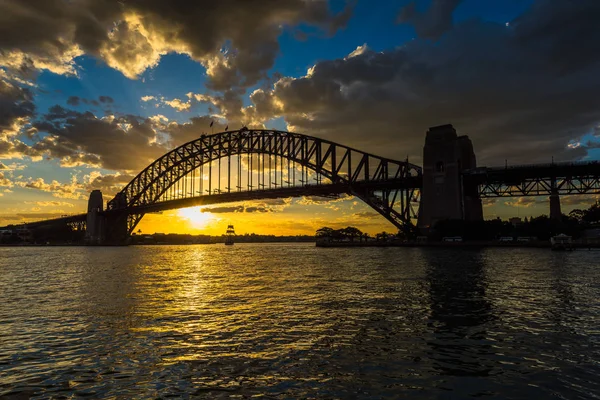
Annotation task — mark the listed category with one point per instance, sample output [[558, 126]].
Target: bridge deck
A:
[[536, 180], [325, 190]]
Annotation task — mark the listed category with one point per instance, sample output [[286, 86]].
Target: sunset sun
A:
[[196, 217]]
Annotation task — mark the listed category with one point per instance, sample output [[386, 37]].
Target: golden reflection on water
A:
[[292, 320]]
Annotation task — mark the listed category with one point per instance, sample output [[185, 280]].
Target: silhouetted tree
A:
[[325, 232], [351, 233]]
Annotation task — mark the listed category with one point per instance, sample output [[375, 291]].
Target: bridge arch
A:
[[380, 182]]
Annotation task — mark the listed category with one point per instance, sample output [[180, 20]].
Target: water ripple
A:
[[295, 321]]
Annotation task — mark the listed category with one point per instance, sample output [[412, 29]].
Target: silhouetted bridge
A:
[[249, 164]]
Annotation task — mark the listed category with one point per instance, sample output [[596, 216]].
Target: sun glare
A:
[[195, 216]]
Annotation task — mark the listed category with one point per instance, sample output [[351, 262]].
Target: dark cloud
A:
[[16, 109], [503, 86], [106, 99], [432, 23], [579, 200], [92, 102], [257, 209], [117, 143], [562, 32], [109, 184], [73, 101], [15, 102], [183, 133]]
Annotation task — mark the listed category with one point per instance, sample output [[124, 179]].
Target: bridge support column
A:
[[444, 195], [95, 222], [555, 211]]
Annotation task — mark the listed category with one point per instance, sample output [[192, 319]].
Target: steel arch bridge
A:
[[262, 164]]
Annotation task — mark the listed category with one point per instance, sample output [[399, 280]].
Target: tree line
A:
[[351, 234], [543, 228]]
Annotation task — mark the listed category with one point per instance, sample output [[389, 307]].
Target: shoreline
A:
[[471, 244], [456, 245]]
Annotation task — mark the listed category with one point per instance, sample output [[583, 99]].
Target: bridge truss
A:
[[253, 164], [537, 180]]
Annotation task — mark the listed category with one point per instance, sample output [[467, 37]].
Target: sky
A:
[[92, 91]]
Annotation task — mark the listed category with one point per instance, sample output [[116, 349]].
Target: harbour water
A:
[[296, 321]]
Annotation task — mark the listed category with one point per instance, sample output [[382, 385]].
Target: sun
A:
[[195, 216]]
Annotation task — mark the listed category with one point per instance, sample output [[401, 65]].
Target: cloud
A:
[[366, 215], [71, 190], [508, 88], [432, 23], [132, 36], [312, 200], [114, 142], [183, 133], [147, 98], [36, 216], [73, 101], [565, 201], [257, 206], [51, 203], [106, 99], [489, 202], [76, 101], [236, 209], [579, 200], [526, 202], [16, 107], [229, 103], [4, 181], [14, 166], [109, 184], [178, 104]]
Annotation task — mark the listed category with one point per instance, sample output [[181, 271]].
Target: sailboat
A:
[[229, 235]]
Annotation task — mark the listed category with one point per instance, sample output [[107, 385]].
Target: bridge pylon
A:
[[103, 228], [555, 210], [444, 194], [95, 222]]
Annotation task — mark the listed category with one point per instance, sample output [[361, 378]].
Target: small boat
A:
[[561, 242], [229, 235]]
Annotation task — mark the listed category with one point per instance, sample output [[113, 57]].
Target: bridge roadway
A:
[[322, 190]]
